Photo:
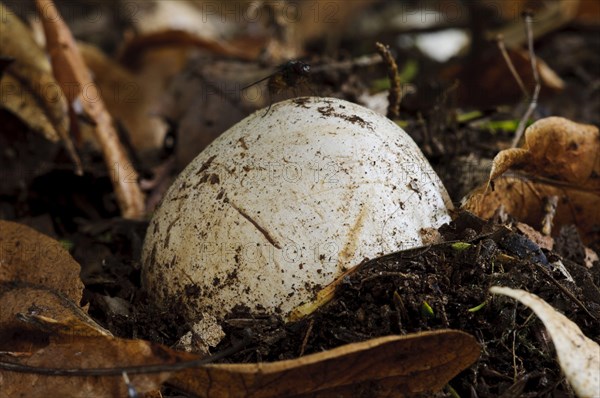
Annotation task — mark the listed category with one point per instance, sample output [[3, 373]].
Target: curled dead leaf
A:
[[507, 158], [556, 148], [559, 158]]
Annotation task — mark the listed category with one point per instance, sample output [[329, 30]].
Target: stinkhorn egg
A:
[[281, 204]]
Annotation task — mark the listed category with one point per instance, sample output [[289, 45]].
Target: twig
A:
[[306, 336], [550, 205], [514, 356], [131, 391], [536, 92], [71, 72], [360, 62], [395, 92], [118, 371], [511, 66], [565, 291]]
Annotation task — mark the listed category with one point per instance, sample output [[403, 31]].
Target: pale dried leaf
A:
[[579, 356]]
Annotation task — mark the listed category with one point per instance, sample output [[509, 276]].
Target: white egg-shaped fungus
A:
[[281, 204]]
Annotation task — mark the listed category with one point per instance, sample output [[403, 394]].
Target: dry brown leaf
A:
[[42, 327], [29, 256], [524, 199], [565, 150], [557, 148], [183, 42], [85, 352], [579, 356], [74, 77], [28, 88], [397, 366], [393, 366], [560, 158], [204, 100], [190, 24]]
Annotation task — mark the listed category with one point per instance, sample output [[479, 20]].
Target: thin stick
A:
[[550, 205], [565, 290], [131, 391], [536, 77], [514, 357], [306, 336], [118, 371], [511, 66], [395, 93], [66, 58]]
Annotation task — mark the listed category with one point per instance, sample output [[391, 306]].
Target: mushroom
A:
[[281, 204]]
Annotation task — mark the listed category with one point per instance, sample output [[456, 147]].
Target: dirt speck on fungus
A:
[[329, 111], [302, 101], [206, 165]]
